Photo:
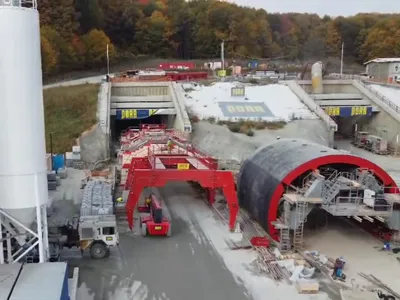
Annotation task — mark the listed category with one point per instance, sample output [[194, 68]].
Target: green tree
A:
[[49, 56], [333, 40], [60, 15], [90, 15], [96, 42]]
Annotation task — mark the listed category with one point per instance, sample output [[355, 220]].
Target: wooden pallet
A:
[[308, 287]]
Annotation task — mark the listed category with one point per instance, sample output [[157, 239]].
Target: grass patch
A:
[[69, 111], [248, 127]]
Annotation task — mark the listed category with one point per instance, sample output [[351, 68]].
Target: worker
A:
[[387, 238], [148, 202], [169, 145], [338, 268], [120, 200]]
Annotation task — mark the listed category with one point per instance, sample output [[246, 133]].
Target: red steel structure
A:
[[156, 170]]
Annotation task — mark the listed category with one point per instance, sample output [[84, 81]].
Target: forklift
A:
[[155, 223]]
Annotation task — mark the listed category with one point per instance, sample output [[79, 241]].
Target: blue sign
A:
[[245, 109], [131, 114], [348, 111]]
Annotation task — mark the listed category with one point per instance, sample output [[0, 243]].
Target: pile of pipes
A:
[[392, 295], [97, 199]]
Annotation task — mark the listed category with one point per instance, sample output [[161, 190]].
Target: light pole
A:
[[108, 62], [341, 62], [222, 55]]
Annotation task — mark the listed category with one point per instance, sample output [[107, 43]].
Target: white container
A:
[[369, 198], [76, 149], [316, 78], [23, 169]]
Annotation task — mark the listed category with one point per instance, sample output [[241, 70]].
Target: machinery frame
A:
[[157, 170]]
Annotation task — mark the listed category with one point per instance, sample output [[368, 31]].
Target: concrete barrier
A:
[[73, 284], [182, 121], [378, 98], [312, 105]]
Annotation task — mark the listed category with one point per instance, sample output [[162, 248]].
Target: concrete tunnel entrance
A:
[[347, 126], [118, 126]]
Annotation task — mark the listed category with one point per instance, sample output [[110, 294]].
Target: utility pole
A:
[[341, 61], [222, 55], [108, 63], [51, 150]]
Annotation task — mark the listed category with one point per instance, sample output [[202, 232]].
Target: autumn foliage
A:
[[75, 34]]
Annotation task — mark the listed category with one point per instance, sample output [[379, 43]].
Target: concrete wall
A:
[[131, 89], [330, 125], [182, 121], [386, 123], [379, 71], [331, 86], [95, 142], [94, 145]]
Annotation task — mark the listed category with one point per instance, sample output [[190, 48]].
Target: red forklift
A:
[[156, 223]]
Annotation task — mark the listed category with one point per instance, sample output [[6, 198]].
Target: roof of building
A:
[[32, 281], [383, 60], [8, 277]]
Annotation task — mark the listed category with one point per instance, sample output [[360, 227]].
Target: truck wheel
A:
[[99, 251], [144, 229], [169, 232]]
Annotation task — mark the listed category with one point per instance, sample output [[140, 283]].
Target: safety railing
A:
[[179, 161], [355, 206], [19, 3], [381, 97]]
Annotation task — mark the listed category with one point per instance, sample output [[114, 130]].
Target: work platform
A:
[[158, 168], [343, 208]]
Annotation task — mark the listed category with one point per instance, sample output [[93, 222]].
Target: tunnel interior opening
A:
[[347, 126], [326, 171], [317, 214], [118, 126]]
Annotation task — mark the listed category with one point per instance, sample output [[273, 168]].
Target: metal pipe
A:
[[1, 244], [26, 252], [39, 222], [20, 249], [17, 222]]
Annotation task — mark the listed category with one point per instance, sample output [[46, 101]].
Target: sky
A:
[[324, 7]]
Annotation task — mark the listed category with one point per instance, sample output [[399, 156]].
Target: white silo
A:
[[23, 171], [316, 77]]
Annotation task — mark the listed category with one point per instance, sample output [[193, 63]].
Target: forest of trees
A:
[[74, 33]]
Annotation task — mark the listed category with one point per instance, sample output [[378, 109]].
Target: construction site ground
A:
[[183, 266], [196, 262], [363, 253]]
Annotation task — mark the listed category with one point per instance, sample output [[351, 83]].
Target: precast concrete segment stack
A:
[[97, 199], [262, 173], [23, 170]]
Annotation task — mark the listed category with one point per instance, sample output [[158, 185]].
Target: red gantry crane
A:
[[156, 170]]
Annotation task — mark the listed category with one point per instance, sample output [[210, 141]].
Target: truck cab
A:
[[98, 233]]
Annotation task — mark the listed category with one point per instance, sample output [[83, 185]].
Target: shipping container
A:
[[45, 281], [177, 66]]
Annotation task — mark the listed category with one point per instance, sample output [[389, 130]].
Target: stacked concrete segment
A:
[[97, 199]]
